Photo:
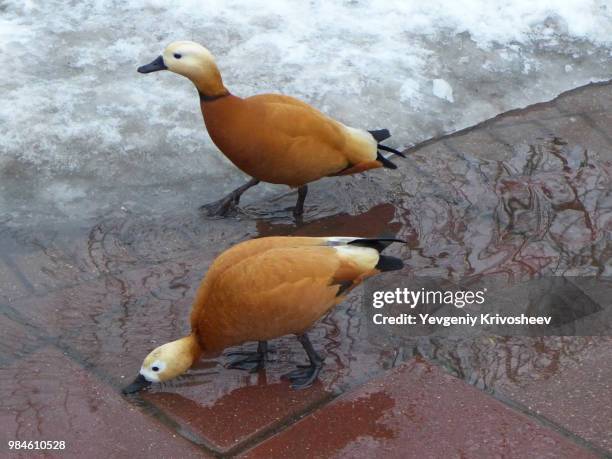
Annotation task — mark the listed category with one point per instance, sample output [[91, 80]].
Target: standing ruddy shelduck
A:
[[263, 289], [271, 137]]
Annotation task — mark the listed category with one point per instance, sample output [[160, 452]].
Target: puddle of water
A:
[[547, 211]]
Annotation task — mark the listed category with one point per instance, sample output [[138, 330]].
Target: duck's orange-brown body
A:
[[264, 289], [279, 139], [270, 287], [271, 137]]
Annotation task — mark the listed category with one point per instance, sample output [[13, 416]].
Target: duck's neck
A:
[[209, 83], [204, 97], [191, 346], [220, 113]]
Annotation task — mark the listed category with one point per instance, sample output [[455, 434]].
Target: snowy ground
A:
[[81, 131]]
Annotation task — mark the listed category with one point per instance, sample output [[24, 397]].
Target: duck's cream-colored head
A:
[[166, 362], [193, 61]]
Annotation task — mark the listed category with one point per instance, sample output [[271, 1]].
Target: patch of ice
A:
[[443, 90]]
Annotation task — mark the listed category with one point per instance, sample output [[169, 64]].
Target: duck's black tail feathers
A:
[[391, 150], [380, 135], [387, 263], [385, 162]]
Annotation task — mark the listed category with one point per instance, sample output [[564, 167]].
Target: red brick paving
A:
[[417, 411], [46, 396], [126, 287], [578, 396], [239, 414]]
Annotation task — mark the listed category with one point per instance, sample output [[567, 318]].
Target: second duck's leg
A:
[[299, 205], [253, 361], [221, 207], [306, 375]]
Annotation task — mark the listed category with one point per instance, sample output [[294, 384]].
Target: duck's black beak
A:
[[155, 66], [138, 384]]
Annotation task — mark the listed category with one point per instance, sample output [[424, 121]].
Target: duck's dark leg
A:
[[253, 361], [223, 206], [298, 210], [305, 375]]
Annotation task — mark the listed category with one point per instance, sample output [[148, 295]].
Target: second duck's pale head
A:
[[193, 61], [166, 362]]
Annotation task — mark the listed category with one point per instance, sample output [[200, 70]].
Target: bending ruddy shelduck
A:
[[263, 289], [271, 137]]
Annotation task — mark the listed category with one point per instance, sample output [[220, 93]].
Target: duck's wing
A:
[[281, 290], [237, 254], [309, 135], [252, 247]]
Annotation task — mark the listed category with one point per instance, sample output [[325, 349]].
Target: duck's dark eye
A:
[[155, 368], [177, 55]]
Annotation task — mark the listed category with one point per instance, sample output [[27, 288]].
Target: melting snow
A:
[[75, 108]]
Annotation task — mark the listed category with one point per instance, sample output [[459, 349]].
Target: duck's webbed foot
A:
[[252, 361], [220, 208], [305, 375], [228, 204]]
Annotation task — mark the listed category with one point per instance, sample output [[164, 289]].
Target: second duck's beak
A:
[[155, 66], [139, 383]]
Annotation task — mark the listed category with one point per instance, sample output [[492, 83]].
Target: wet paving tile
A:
[[17, 340], [46, 396], [492, 362], [240, 412], [105, 317], [572, 311], [38, 262], [598, 288], [535, 113], [577, 133], [123, 242], [417, 411], [575, 395], [596, 98], [13, 284], [479, 143], [603, 124], [542, 212], [64, 310]]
